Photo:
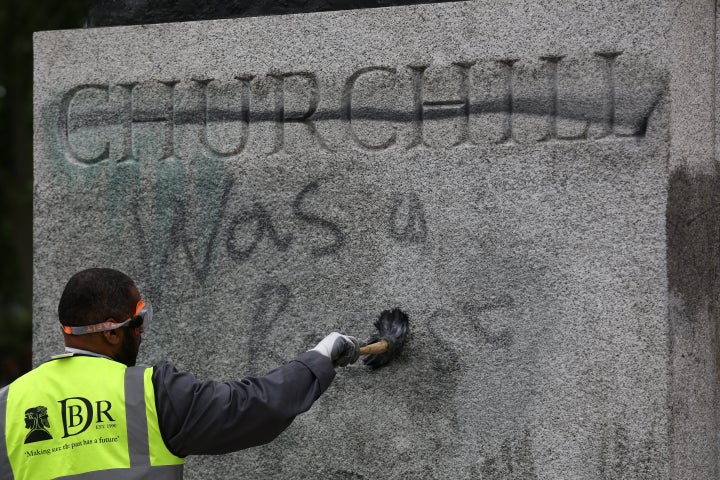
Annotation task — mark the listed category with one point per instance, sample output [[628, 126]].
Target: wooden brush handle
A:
[[373, 348]]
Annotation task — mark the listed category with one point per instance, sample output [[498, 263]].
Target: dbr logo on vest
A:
[[77, 414], [36, 419]]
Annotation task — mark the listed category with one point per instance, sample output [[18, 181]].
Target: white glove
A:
[[342, 350]]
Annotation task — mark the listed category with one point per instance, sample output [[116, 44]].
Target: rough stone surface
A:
[[534, 183], [110, 13]]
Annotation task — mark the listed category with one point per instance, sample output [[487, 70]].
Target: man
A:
[[92, 414]]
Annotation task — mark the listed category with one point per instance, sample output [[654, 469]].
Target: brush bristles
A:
[[392, 327]]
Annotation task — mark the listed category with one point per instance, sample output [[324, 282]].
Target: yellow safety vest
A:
[[83, 418]]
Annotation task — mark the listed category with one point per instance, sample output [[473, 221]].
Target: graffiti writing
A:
[[414, 228], [260, 222], [241, 233], [317, 221], [501, 338], [514, 460]]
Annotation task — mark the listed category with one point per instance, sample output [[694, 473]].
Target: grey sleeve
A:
[[206, 417]]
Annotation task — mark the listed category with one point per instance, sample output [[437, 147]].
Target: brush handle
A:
[[373, 348]]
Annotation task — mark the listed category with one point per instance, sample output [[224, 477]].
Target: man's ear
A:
[[112, 336]]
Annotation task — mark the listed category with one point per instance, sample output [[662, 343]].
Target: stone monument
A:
[[534, 183]]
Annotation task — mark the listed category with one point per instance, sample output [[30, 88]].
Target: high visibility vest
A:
[[83, 418]]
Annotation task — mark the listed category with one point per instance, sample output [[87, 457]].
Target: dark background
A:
[[18, 20]]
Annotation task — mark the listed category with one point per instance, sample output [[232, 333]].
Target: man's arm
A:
[[206, 417]]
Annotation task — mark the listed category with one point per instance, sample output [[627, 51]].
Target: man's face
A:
[[129, 347]]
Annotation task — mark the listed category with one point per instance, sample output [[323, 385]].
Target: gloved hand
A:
[[342, 350]]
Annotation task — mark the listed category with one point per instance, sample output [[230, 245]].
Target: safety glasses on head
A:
[[138, 322]]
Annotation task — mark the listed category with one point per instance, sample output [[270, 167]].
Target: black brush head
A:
[[392, 327]]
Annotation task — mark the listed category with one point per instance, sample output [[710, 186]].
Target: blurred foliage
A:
[[18, 20]]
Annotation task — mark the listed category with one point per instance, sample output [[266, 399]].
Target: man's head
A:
[[98, 295]]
